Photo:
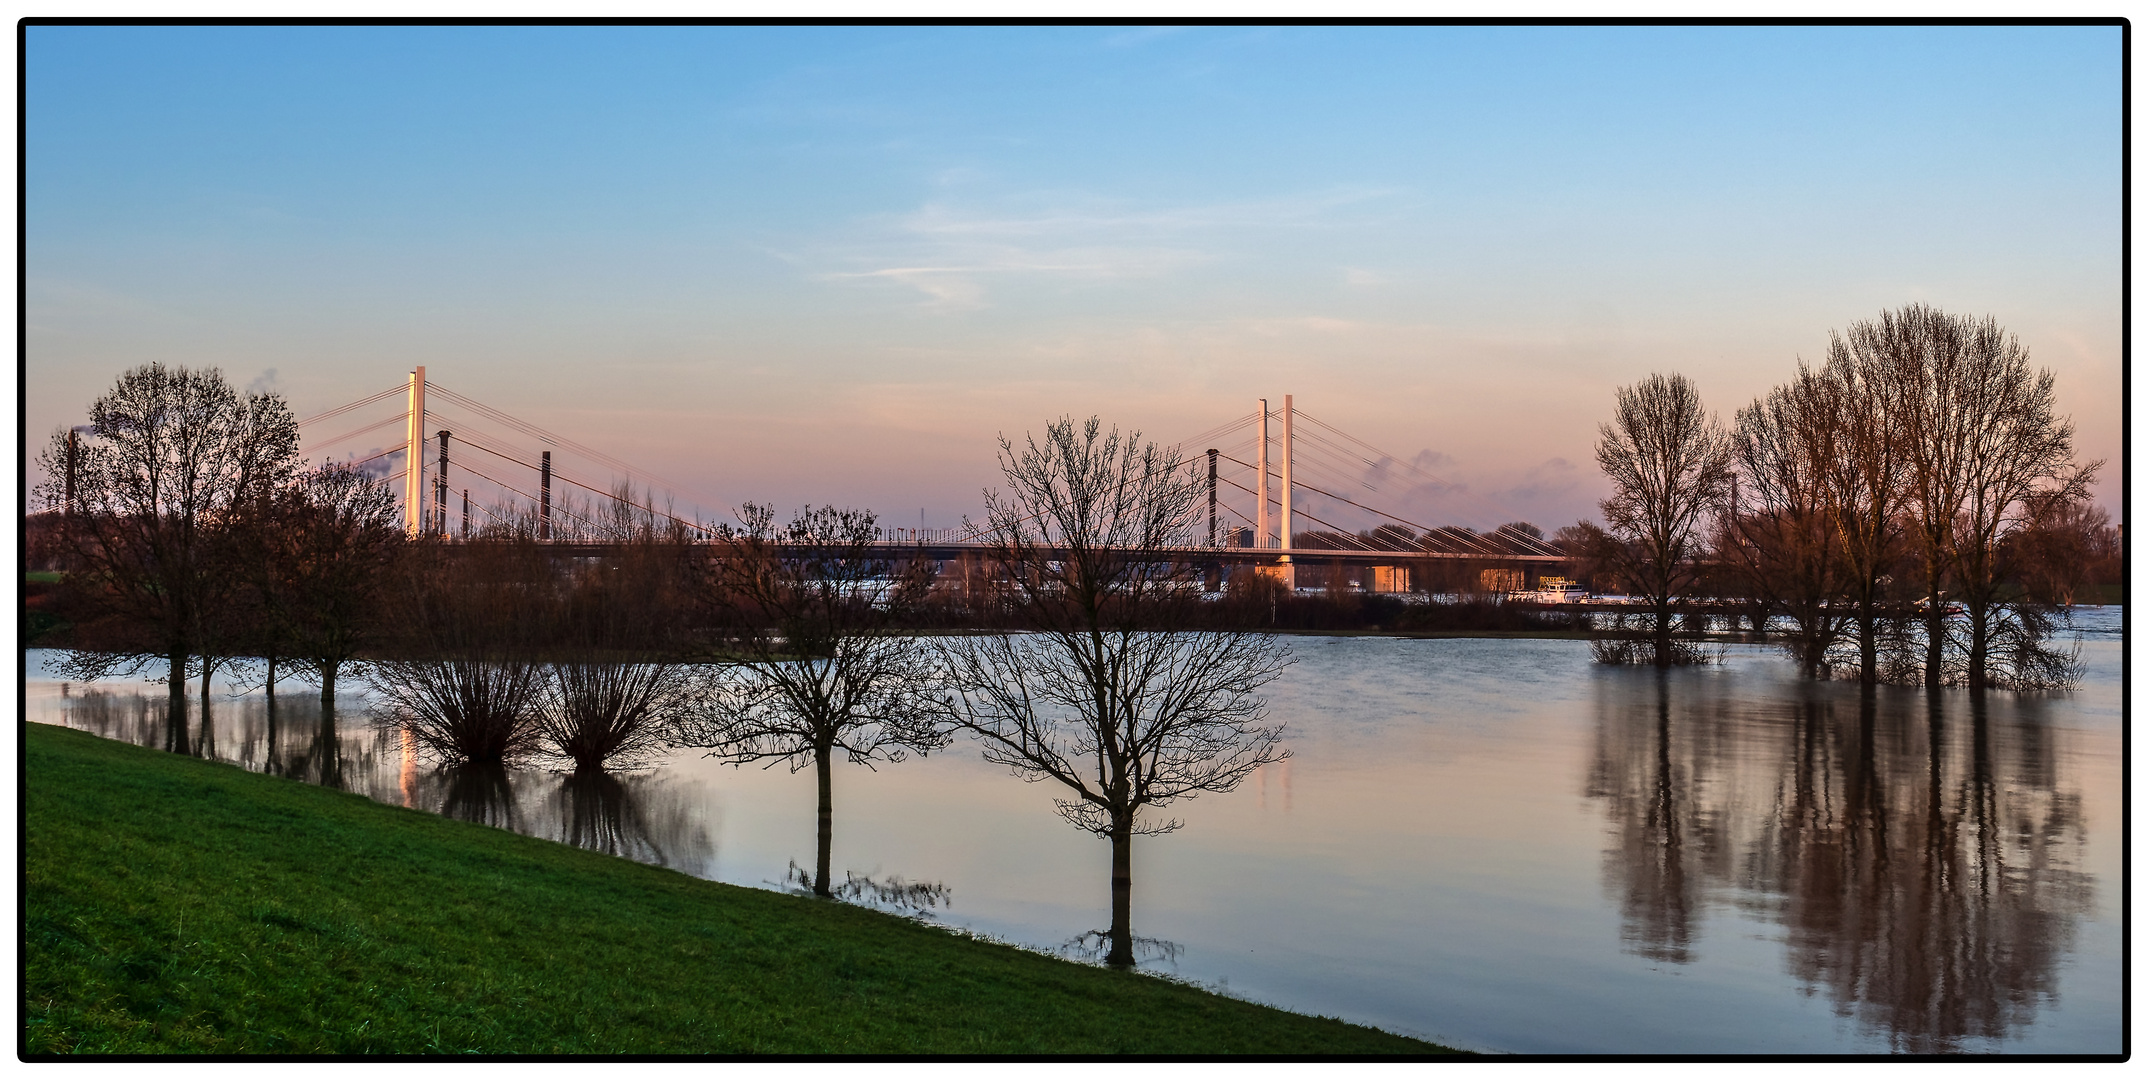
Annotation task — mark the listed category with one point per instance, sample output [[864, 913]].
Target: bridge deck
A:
[[947, 552]]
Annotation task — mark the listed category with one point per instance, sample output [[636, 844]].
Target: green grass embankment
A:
[[176, 905]]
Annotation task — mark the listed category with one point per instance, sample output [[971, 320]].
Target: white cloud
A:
[[952, 253]]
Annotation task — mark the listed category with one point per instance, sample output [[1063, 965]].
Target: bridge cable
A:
[[1216, 432], [558, 440], [1405, 521], [358, 404], [1481, 501], [354, 434], [1322, 468], [1338, 531], [1519, 538]]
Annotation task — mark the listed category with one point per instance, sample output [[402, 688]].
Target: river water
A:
[[1491, 843]]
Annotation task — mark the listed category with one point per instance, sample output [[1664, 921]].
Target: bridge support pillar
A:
[[414, 457], [1261, 535], [1290, 571]]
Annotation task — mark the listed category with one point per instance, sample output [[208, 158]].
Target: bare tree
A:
[[603, 712], [1865, 481], [1779, 524], [173, 451], [1113, 693], [617, 682], [1669, 464], [817, 664], [1917, 357], [321, 552], [464, 682], [1978, 440], [2018, 452]]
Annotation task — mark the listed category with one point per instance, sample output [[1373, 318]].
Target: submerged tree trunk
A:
[[1979, 642], [203, 746], [1867, 643], [1663, 634], [328, 689], [1935, 631], [272, 715], [1122, 894], [325, 748], [827, 820], [175, 739]]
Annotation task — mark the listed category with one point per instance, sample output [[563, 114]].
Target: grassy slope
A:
[[181, 905]]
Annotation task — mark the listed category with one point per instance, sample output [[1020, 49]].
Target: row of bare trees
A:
[[1103, 669], [1903, 508], [191, 534]]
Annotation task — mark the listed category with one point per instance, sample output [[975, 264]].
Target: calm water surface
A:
[[1491, 843]]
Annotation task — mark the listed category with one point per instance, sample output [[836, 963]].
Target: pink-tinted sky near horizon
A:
[[833, 265]]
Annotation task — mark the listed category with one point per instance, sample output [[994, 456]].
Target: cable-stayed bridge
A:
[[466, 469]]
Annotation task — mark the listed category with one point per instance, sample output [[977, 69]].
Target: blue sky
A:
[[790, 264]]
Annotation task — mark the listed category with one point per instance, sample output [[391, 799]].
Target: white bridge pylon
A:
[[414, 456], [519, 480], [502, 496]]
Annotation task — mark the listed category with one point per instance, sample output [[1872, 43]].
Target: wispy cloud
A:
[[952, 252]]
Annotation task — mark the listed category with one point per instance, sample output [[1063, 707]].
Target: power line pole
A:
[[1211, 498], [440, 489], [544, 499]]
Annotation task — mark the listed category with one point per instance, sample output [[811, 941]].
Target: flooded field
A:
[[1492, 843]]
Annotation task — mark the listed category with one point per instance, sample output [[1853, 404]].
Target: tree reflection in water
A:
[[1920, 850], [283, 741], [639, 816], [477, 793], [1092, 947], [125, 717], [319, 760], [647, 817], [912, 899]]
